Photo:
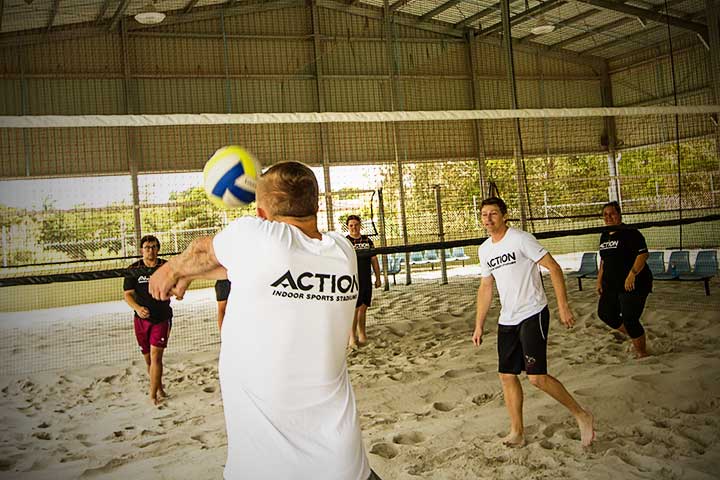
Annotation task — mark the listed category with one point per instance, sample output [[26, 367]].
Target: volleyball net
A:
[[415, 178]]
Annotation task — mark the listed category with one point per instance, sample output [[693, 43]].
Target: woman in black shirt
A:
[[624, 279]]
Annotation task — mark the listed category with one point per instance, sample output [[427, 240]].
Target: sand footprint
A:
[[546, 444], [409, 438], [550, 430], [443, 406], [463, 372], [384, 450], [483, 399]]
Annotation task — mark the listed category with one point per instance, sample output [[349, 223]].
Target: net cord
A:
[[104, 121]]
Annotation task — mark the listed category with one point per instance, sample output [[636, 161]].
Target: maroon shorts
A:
[[148, 333]]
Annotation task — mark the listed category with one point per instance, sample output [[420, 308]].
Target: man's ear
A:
[[261, 213]]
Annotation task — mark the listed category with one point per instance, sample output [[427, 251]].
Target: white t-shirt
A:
[[289, 407], [513, 263]]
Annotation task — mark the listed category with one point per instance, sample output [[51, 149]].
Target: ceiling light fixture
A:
[[149, 15], [542, 26]]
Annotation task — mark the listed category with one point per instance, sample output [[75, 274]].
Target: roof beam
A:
[[118, 14], [653, 47], [398, 4], [648, 15], [632, 37], [475, 17], [53, 14], [90, 29], [449, 29], [103, 9], [439, 9], [591, 32], [188, 8], [525, 15]]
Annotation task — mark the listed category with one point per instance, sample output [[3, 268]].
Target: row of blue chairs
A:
[[427, 257], [678, 267]]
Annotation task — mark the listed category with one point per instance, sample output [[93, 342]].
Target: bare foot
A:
[[587, 428], [353, 343], [514, 440], [155, 401], [362, 339], [161, 393]]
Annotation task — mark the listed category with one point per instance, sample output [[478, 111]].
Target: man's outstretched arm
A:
[[197, 261]]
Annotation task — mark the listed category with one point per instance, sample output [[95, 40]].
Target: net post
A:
[[383, 236], [611, 133], [713, 19], [132, 147], [319, 71], [441, 233], [518, 150], [477, 126]]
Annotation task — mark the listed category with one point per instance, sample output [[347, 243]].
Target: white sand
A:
[[430, 403]]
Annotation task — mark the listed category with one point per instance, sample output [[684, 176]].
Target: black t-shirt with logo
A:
[[618, 252], [362, 243], [159, 309]]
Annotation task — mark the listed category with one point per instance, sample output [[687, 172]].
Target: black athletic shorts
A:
[[524, 346], [222, 290], [364, 296]]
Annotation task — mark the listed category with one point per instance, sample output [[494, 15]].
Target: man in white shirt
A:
[[289, 407], [510, 257]]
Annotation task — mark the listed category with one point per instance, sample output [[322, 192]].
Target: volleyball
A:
[[230, 176]]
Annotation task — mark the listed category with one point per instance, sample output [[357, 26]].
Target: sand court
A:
[[430, 403]]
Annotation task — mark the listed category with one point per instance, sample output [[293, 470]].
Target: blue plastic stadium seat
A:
[[431, 256], [706, 267], [458, 253], [588, 268], [394, 266], [678, 264], [417, 258], [656, 263]]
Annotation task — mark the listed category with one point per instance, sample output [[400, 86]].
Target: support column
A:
[[24, 109], [130, 102], [713, 19], [383, 238], [479, 140], [611, 136], [396, 104], [226, 69], [518, 149], [317, 50], [441, 234]]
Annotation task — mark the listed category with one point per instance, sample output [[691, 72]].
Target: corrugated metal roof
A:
[[573, 18]]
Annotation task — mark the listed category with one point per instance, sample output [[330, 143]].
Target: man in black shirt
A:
[[362, 242], [153, 318], [624, 279]]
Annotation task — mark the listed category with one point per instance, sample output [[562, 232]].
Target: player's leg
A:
[[632, 305], [510, 361], [361, 332], [533, 336], [156, 370], [159, 336], [513, 395], [353, 339], [609, 311], [142, 335]]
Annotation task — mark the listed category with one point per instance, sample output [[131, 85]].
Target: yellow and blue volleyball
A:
[[230, 177]]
